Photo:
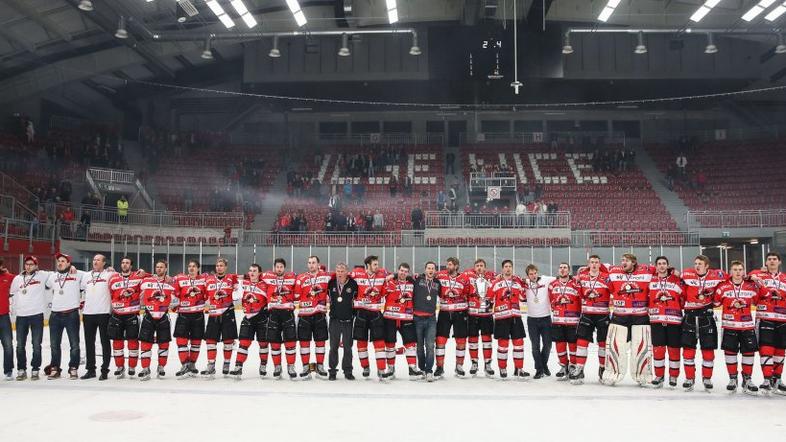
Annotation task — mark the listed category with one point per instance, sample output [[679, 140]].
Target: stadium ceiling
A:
[[47, 43]]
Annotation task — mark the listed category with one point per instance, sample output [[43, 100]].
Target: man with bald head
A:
[[95, 316]]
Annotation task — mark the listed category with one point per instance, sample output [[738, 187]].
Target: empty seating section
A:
[[424, 164], [623, 201], [738, 175]]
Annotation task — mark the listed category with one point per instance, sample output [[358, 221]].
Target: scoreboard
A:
[[486, 56]]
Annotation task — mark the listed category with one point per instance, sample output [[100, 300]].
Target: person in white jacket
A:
[[539, 318]]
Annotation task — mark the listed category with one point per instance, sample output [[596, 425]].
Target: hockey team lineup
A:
[[646, 321]]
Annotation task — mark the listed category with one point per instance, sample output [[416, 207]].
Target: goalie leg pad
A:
[[616, 354], [641, 354]]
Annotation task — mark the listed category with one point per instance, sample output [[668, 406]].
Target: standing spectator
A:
[[417, 218], [6, 335], [539, 318], [342, 291], [379, 221], [408, 185], [521, 213], [122, 209], [334, 202], [348, 189], [441, 199], [424, 299], [84, 224], [452, 197], [30, 132], [450, 163], [682, 163], [393, 185]]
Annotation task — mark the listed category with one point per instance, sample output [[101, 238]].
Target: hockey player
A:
[[254, 325], [156, 292], [565, 296], [280, 286], [191, 294], [630, 325], [665, 311], [124, 322], [369, 323], [736, 297], [507, 292], [480, 320], [698, 322], [453, 307], [311, 295], [595, 299], [221, 322], [399, 317], [771, 316]]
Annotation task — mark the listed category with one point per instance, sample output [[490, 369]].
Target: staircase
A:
[[271, 204], [135, 159], [674, 205], [457, 178]]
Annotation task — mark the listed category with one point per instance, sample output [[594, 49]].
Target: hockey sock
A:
[[380, 354], [411, 354], [707, 362], [777, 361], [562, 352], [117, 352], [747, 363], [688, 355], [581, 352], [263, 352], [731, 363], [518, 353], [275, 351], [182, 350], [363, 353], [502, 353], [439, 351], [766, 353], [461, 345], [211, 350], [147, 348], [305, 352], [319, 349], [602, 353], [290, 350], [473, 348], [242, 351], [229, 346], [133, 353], [572, 353], [193, 351], [390, 350], [659, 360], [674, 361], [486, 348], [163, 353]]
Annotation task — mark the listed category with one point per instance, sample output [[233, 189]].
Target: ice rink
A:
[[450, 409]]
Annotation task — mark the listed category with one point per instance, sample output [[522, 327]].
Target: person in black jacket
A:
[[424, 297], [342, 291]]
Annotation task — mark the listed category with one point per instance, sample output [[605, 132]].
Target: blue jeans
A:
[[7, 340], [70, 322], [539, 330], [35, 326], [426, 329]]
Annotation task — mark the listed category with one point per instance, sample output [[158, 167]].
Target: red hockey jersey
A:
[[772, 307], [219, 293], [398, 299], [565, 297], [506, 296], [280, 290], [191, 293], [311, 293], [699, 290], [666, 300], [254, 297], [453, 294], [736, 302], [369, 295], [630, 291], [157, 295], [595, 293], [125, 292], [480, 304]]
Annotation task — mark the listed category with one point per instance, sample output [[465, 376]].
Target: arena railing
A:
[[588, 238], [112, 175], [327, 239], [736, 218], [481, 181], [161, 218], [448, 220], [27, 230]]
